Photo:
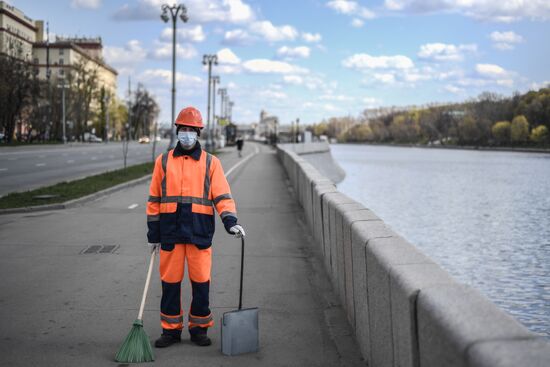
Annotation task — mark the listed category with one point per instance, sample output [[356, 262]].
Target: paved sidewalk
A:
[[62, 308]]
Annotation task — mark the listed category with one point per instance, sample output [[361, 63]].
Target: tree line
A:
[[26, 100], [489, 120]]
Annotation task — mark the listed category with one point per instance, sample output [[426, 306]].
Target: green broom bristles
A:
[[136, 348]]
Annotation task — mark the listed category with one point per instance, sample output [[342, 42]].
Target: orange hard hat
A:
[[190, 116]]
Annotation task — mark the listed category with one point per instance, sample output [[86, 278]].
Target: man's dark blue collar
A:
[[194, 152]]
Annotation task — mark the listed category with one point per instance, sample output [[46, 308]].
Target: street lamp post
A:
[[106, 100], [209, 60], [215, 80], [230, 114], [63, 86], [297, 129], [174, 10]]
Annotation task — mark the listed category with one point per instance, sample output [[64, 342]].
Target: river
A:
[[483, 216]]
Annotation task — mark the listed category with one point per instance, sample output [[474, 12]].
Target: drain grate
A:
[[108, 249], [98, 249]]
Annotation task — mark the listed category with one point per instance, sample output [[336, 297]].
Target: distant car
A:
[[94, 139], [2, 136], [158, 138], [144, 140]]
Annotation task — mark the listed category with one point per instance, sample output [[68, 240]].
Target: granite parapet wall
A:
[[405, 310]]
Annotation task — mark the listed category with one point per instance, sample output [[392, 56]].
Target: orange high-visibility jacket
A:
[[184, 188]]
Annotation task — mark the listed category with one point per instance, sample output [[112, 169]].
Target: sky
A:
[[314, 59]]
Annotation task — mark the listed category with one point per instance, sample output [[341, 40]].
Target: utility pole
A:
[[297, 129], [209, 60], [174, 10]]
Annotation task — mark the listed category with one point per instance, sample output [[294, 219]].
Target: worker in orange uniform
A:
[[187, 182]]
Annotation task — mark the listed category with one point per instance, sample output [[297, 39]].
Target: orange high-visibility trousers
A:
[[172, 264]]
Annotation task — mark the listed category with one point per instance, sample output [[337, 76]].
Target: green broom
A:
[[137, 348]]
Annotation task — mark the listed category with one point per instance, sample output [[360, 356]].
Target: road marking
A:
[[133, 206], [40, 164], [70, 161], [3, 169], [257, 150]]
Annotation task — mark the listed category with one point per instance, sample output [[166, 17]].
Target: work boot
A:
[[166, 340], [199, 337]]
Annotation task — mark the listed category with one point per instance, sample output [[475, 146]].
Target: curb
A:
[[77, 201]]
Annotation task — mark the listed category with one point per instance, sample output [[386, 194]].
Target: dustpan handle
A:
[[242, 271]]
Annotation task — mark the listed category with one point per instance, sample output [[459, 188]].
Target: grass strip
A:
[[66, 191]]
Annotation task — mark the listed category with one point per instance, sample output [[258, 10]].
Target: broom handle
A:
[[140, 314], [242, 271]]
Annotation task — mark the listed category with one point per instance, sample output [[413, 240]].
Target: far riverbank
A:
[[458, 147]]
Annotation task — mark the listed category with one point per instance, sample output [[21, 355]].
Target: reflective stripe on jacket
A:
[[184, 188]]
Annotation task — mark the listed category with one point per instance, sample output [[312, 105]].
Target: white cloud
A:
[[199, 11], [87, 4], [293, 79], [384, 78], [130, 54], [311, 37], [337, 98], [445, 52], [491, 10], [505, 40], [366, 61], [454, 89], [236, 37], [272, 33], [491, 71], [343, 6], [264, 66], [163, 50], [371, 102], [351, 8], [292, 52], [273, 94], [226, 56], [357, 23], [193, 34], [165, 76], [537, 85]]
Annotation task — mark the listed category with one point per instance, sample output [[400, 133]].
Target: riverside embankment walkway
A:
[[60, 307]]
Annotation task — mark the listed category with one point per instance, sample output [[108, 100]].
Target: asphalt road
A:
[[30, 167]]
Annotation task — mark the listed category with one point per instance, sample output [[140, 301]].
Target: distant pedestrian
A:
[[187, 182], [240, 143]]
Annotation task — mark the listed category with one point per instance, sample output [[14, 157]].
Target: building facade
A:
[[18, 32], [60, 57]]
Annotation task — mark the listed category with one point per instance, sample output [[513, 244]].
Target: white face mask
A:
[[187, 139]]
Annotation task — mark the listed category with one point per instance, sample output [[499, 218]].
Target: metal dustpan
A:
[[240, 327]]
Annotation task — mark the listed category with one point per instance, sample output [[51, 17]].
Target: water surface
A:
[[483, 216]]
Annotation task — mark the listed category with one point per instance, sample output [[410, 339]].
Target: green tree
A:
[[468, 130], [356, 133], [539, 134], [519, 130], [404, 129], [501, 132]]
